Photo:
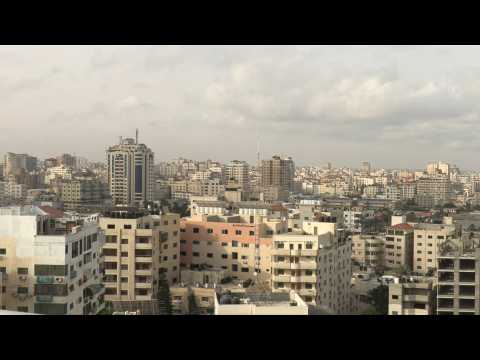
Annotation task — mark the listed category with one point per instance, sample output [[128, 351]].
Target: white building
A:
[[50, 265], [130, 172]]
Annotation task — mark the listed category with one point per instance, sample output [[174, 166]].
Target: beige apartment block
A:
[[458, 273], [411, 299], [50, 265], [427, 241], [317, 267], [399, 246], [368, 250], [138, 247], [229, 243]]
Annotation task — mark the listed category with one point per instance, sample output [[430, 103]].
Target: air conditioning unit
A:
[[23, 277], [59, 280]]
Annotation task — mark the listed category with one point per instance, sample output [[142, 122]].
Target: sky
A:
[[395, 106]]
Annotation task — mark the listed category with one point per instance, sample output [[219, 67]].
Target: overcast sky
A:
[[396, 106]]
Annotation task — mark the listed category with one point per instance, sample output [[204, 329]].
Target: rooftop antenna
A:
[[136, 137]]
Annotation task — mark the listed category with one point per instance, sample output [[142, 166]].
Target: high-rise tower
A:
[[130, 172]]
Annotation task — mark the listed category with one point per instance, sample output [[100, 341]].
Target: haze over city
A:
[[395, 106]]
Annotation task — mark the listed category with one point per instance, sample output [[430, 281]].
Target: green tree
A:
[[163, 296], [378, 297]]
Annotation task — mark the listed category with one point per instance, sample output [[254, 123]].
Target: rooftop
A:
[[402, 227]]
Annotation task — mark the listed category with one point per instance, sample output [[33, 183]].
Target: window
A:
[[196, 254], [127, 227], [124, 254], [196, 230], [419, 236], [244, 257], [124, 267], [196, 242], [165, 223], [110, 226], [124, 292], [22, 271], [395, 297], [224, 244], [124, 279], [225, 232], [210, 231], [234, 243], [125, 241], [238, 232], [205, 299], [430, 245], [209, 243], [224, 256], [22, 309], [235, 256], [245, 270], [175, 233], [234, 268], [210, 255], [22, 290], [252, 233]]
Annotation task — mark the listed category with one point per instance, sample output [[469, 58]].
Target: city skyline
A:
[[395, 106]]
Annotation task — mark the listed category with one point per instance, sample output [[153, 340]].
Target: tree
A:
[[192, 305], [378, 297], [163, 296]]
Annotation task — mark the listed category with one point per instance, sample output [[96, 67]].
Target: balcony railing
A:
[[44, 298]]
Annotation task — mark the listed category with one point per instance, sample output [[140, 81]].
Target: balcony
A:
[[281, 278], [111, 258], [281, 252], [44, 298], [446, 277], [143, 285], [466, 278], [467, 264], [446, 291], [416, 298], [466, 291], [45, 279], [143, 272], [303, 279], [143, 259], [142, 246]]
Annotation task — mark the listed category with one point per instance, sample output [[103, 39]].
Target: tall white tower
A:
[[130, 172]]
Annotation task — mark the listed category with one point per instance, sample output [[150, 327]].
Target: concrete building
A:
[[458, 273], [138, 247], [238, 171], [437, 168], [203, 299], [130, 173], [433, 191], [15, 163], [81, 193], [50, 265], [59, 172], [368, 250], [316, 266], [278, 172], [411, 299], [427, 241], [67, 160], [228, 242], [352, 219], [399, 246]]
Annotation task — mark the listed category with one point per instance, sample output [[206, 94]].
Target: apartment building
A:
[[399, 246], [427, 241], [238, 171], [229, 242], [130, 172], [138, 247], [278, 172], [368, 249], [59, 172], [50, 265], [433, 191], [316, 266], [79, 193], [411, 299], [15, 163], [352, 219], [458, 273], [186, 299]]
